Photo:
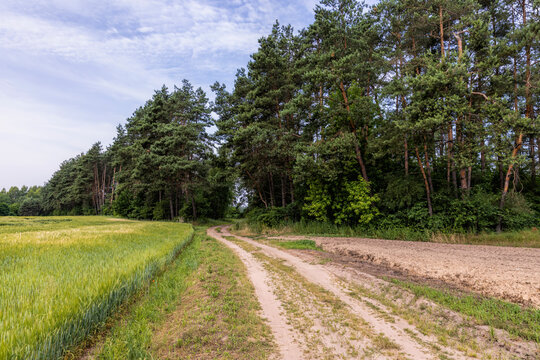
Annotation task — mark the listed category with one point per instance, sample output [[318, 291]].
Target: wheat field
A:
[[60, 277]]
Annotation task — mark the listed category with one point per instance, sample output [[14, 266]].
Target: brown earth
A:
[[505, 272]]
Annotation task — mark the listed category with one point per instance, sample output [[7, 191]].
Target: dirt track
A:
[[504, 272], [321, 310]]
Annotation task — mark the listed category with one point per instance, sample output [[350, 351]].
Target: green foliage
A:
[[517, 213], [122, 205], [317, 201], [350, 204]]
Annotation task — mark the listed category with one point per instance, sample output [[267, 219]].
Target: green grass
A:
[[524, 238], [63, 276], [202, 307], [298, 244], [519, 321]]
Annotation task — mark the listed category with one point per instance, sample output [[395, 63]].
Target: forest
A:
[[415, 114]]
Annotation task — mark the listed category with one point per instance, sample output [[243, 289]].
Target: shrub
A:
[[517, 213], [30, 207], [4, 209]]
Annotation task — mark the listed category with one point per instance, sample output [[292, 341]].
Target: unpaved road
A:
[[509, 273], [317, 310]]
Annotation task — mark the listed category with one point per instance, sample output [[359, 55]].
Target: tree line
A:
[[410, 113]]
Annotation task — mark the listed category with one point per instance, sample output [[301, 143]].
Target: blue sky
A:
[[71, 70]]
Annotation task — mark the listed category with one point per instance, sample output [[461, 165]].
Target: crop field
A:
[[62, 276]]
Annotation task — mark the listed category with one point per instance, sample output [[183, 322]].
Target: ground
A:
[[334, 309], [236, 297]]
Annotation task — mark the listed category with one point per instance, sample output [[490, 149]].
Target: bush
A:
[[30, 207], [348, 204], [14, 209], [517, 213], [161, 210], [122, 205], [4, 209]]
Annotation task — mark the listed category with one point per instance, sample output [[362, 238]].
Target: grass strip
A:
[[202, 307], [516, 320], [298, 245]]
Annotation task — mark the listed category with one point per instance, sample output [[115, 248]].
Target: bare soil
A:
[[508, 273]]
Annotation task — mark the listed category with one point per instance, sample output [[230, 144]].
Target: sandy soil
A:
[[509, 273]]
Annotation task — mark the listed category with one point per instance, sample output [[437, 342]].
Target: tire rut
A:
[[270, 305], [413, 344]]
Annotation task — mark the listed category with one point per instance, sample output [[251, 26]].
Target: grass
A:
[[297, 244], [518, 321], [63, 276], [202, 307], [522, 238]]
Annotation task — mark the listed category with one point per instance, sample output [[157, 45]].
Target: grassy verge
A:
[[203, 307], [518, 321], [523, 238]]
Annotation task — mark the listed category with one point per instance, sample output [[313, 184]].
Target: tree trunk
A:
[[272, 203], [283, 191], [428, 166], [357, 149], [113, 186], [406, 157], [193, 207], [257, 185], [507, 178], [171, 207], [428, 192], [441, 30], [292, 189], [532, 150]]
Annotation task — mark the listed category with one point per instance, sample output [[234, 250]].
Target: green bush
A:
[[351, 203], [161, 211], [517, 213], [122, 205], [30, 207], [4, 209]]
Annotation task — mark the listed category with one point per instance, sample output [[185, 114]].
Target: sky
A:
[[72, 70]]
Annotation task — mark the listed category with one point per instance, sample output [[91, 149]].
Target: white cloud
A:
[[72, 69]]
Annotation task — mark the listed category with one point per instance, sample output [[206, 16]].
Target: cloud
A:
[[71, 70]]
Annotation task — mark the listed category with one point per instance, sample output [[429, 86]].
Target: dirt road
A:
[[317, 310], [504, 272]]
